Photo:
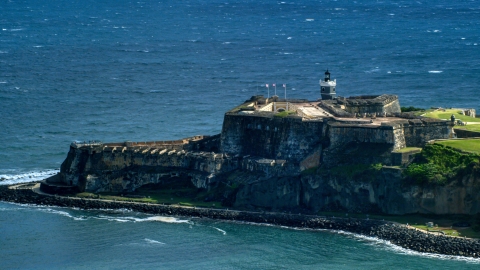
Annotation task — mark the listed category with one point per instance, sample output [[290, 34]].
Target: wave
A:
[[147, 219], [397, 249], [151, 241], [220, 230], [372, 241], [158, 91], [10, 179], [435, 71], [62, 213]]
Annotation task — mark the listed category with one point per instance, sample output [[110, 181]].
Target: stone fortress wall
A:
[[274, 138], [370, 104], [251, 139], [260, 135]]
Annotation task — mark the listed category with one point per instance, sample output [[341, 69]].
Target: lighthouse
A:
[[327, 87]]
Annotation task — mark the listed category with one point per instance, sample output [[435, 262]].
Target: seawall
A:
[[397, 234]]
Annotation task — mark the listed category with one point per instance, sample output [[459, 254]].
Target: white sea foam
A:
[[309, 20], [435, 71], [373, 241], [167, 219], [3, 82], [220, 230], [11, 179], [62, 213], [397, 249], [151, 241], [147, 219]]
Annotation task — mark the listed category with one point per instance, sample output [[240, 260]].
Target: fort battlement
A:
[[268, 135]]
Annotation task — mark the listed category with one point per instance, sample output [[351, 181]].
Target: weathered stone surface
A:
[[278, 149]]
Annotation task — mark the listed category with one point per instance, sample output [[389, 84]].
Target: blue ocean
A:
[[114, 71]]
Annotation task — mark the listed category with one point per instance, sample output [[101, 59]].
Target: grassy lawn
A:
[[177, 196], [408, 149], [448, 113], [468, 145], [285, 114], [469, 127], [419, 221]]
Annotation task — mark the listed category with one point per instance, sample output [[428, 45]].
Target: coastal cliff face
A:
[[280, 187], [381, 190]]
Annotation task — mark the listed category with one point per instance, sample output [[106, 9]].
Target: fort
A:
[[266, 149]]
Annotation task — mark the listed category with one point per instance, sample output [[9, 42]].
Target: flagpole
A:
[[275, 88], [268, 87], [285, 88]]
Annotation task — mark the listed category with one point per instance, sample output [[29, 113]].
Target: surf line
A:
[[397, 234]]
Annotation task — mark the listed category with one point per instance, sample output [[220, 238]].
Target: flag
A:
[[284, 85], [273, 85], [266, 85]]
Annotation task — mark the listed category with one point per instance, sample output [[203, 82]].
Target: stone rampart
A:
[[342, 133], [371, 104], [463, 133], [270, 137], [418, 132]]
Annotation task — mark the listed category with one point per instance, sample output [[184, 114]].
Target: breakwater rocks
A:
[[397, 234]]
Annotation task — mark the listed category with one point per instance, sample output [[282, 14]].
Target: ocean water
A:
[[132, 70]]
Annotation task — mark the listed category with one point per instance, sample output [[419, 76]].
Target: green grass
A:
[[183, 197], [467, 145], [419, 221], [408, 149], [469, 127], [285, 114], [448, 113]]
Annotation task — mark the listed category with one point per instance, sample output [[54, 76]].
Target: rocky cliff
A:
[[272, 185]]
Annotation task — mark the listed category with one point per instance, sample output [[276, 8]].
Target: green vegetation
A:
[[467, 145], [176, 192], [285, 114], [411, 109], [356, 172], [408, 149], [419, 221], [475, 128], [438, 164], [310, 171], [446, 114]]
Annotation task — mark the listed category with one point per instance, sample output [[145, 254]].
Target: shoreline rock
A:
[[397, 234]]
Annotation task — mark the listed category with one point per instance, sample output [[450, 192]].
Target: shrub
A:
[[437, 164], [411, 109]]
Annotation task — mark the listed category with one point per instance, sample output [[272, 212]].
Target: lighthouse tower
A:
[[327, 87]]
